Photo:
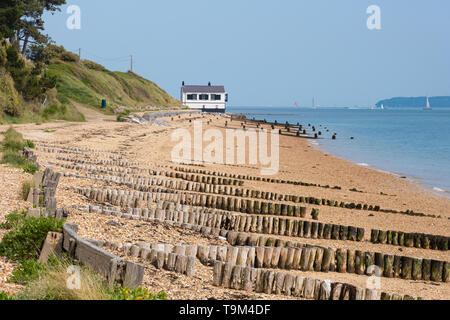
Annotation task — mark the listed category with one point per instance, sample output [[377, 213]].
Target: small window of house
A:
[[204, 97], [192, 97]]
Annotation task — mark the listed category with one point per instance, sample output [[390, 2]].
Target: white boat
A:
[[428, 105], [382, 107]]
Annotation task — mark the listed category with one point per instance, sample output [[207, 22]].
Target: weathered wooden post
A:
[[341, 260]]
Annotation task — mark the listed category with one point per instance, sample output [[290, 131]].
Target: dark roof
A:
[[204, 89]]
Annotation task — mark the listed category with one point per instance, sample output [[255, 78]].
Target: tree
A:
[[21, 21], [31, 24], [10, 13]]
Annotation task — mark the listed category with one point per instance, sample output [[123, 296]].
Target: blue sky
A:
[[271, 53]]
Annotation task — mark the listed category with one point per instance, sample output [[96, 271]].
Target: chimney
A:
[[209, 84], [182, 84]]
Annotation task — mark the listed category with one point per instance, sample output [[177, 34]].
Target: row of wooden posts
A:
[[97, 162], [416, 240], [212, 186], [251, 223], [259, 251], [360, 262], [188, 177], [279, 283], [246, 177], [87, 151], [217, 202], [59, 150]]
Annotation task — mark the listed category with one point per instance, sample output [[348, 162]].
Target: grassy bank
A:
[[70, 80], [49, 281], [88, 83]]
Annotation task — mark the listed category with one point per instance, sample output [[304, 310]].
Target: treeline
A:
[[25, 51]]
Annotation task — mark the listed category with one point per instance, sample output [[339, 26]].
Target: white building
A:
[[206, 98]]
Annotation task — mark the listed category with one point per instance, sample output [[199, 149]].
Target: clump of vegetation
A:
[[26, 187], [13, 220], [28, 271], [122, 115], [12, 144], [25, 240], [13, 140], [139, 293], [5, 297]]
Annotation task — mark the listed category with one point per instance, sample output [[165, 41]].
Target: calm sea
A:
[[409, 142]]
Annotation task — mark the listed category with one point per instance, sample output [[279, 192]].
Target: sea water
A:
[[412, 143]]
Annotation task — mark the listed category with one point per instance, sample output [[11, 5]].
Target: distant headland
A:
[[415, 102]]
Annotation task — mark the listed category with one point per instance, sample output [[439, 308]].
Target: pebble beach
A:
[[149, 146]]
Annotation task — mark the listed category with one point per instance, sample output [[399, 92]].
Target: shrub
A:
[[93, 66], [28, 271], [26, 187], [25, 241], [12, 220], [13, 140], [30, 168], [69, 57]]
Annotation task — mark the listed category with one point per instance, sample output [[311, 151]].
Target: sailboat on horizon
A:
[[428, 107]]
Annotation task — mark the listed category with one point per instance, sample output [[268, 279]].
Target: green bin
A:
[[103, 103]]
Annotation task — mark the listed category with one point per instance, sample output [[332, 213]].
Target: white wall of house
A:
[[201, 104]]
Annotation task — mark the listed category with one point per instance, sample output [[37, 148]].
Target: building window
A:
[[192, 97], [226, 97], [216, 97], [204, 97]]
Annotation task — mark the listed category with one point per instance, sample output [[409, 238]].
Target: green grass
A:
[[5, 297], [12, 143], [25, 240], [88, 83], [28, 271], [13, 220], [13, 158], [139, 293], [62, 112]]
